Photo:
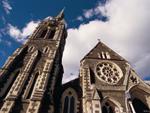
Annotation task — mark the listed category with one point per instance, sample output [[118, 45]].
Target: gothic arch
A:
[[33, 82], [114, 106], [52, 33], [140, 95], [139, 106], [43, 33], [69, 101]]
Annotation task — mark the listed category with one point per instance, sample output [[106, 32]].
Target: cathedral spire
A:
[[61, 14]]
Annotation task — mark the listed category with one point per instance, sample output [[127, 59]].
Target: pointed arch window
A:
[[44, 32], [69, 104], [72, 104], [66, 105], [34, 79], [9, 80], [52, 33], [69, 101]]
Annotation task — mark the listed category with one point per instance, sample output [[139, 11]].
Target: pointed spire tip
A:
[[61, 14]]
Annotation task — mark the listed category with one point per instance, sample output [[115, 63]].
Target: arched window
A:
[[69, 101], [32, 84], [52, 33], [107, 108], [43, 33], [139, 106], [72, 102], [66, 103]]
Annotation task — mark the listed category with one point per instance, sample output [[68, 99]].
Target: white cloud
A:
[[127, 32], [88, 13], [7, 7], [80, 18], [21, 35], [99, 10]]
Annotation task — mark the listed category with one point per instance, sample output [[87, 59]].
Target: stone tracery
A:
[[108, 72]]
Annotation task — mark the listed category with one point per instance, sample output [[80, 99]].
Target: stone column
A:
[[131, 106], [7, 106], [148, 101], [48, 32]]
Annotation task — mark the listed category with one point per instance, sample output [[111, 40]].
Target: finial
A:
[[61, 14], [99, 40]]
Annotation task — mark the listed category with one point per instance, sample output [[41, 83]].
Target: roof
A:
[[101, 51]]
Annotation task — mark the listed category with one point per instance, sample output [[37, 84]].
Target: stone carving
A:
[[134, 79], [108, 72]]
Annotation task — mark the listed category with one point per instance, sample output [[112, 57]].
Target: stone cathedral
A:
[[31, 78]]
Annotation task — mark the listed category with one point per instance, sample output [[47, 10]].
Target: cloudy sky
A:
[[123, 25]]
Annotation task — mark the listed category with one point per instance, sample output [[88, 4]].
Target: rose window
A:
[[108, 72]]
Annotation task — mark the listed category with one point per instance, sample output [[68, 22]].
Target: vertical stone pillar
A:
[[148, 101], [131, 106], [48, 32], [21, 79], [39, 88], [7, 106], [34, 107], [18, 85]]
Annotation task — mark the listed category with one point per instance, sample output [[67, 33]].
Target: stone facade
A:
[[31, 79]]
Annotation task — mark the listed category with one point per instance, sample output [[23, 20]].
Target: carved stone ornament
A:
[[108, 72]]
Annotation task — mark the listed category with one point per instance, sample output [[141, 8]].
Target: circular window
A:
[[108, 72]]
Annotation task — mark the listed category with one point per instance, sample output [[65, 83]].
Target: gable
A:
[[101, 51]]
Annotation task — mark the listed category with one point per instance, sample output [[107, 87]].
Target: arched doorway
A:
[[139, 106]]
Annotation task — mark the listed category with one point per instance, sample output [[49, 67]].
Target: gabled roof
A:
[[101, 51]]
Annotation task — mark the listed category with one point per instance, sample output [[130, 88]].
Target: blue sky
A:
[[122, 24], [19, 13]]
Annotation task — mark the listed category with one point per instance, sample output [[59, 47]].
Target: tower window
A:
[[52, 33], [46, 49], [33, 84], [43, 33]]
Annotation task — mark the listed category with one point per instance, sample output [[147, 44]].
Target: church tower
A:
[[31, 78]]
